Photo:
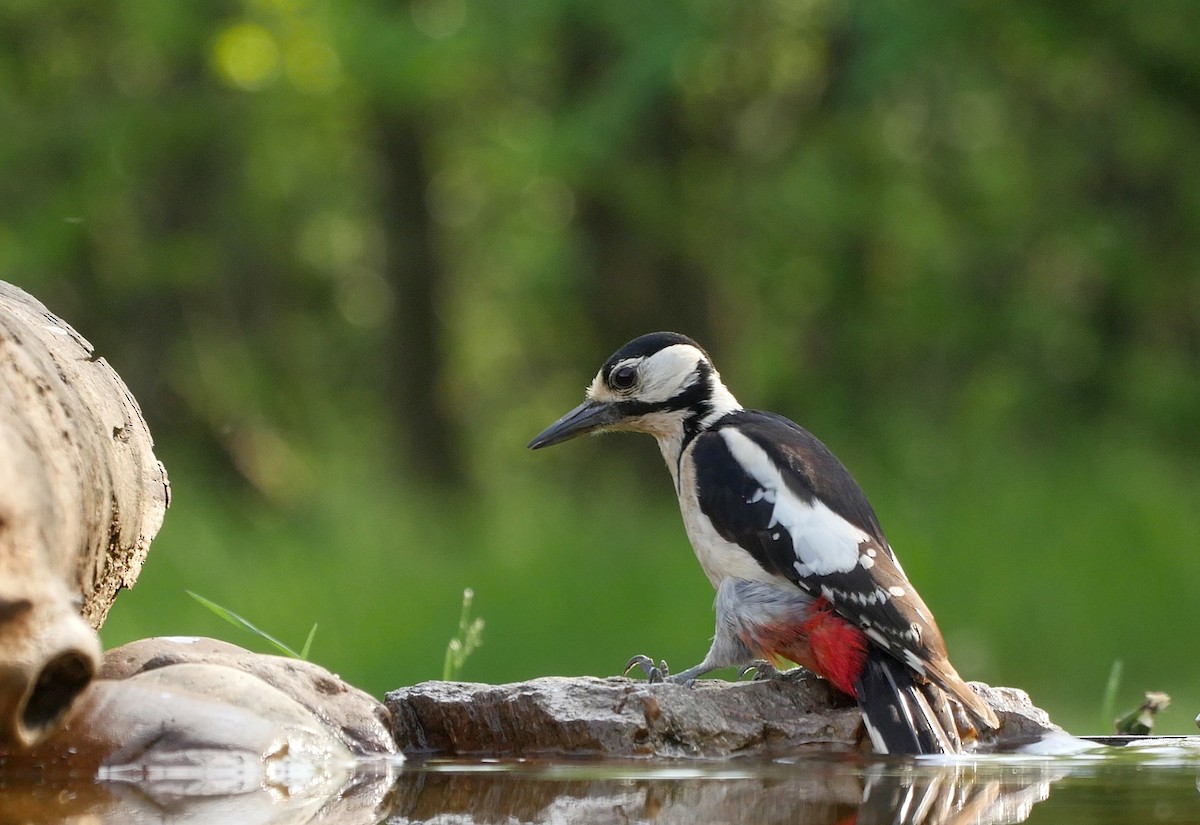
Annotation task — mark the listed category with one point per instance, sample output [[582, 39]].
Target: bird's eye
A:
[[623, 378]]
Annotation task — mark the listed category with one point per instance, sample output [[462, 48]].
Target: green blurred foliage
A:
[[351, 257]]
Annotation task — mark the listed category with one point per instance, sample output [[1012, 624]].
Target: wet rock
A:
[[1021, 721], [619, 717], [81, 496], [236, 727], [362, 802], [197, 743], [358, 720]]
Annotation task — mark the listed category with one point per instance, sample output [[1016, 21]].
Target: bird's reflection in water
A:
[[810, 791], [953, 795]]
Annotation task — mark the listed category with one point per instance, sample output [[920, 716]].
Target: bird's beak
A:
[[587, 417]]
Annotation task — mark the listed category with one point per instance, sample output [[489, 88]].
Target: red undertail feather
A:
[[823, 642], [903, 712], [839, 649]]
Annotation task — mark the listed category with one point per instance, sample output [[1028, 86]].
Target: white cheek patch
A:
[[824, 542], [667, 373]]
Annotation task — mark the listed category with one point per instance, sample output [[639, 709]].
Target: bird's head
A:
[[662, 383]]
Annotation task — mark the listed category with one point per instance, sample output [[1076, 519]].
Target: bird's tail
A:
[[902, 713], [973, 714]]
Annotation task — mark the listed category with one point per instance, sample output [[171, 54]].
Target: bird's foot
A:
[[765, 671], [660, 672], [654, 673]]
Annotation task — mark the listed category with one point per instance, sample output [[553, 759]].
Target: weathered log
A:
[[81, 496], [619, 717]]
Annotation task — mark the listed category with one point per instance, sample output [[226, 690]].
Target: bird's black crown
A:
[[646, 345]]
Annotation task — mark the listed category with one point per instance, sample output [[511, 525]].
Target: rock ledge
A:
[[619, 717]]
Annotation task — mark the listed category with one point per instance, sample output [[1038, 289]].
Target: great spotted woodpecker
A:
[[800, 564]]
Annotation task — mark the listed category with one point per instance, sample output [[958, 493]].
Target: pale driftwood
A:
[[619, 717], [88, 444], [81, 496]]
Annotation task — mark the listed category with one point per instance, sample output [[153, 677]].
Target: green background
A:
[[350, 257]]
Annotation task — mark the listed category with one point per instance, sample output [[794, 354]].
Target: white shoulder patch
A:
[[824, 541]]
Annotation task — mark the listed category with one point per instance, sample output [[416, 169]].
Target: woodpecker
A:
[[801, 567]]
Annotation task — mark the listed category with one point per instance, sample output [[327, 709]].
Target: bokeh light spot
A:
[[246, 56]]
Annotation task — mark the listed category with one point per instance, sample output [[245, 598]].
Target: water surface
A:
[[1111, 786]]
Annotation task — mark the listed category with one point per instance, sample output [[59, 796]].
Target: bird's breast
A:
[[721, 559]]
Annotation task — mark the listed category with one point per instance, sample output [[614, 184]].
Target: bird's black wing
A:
[[811, 508]]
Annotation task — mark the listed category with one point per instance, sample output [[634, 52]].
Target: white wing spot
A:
[[896, 591], [774, 537], [824, 541], [871, 552], [867, 561]]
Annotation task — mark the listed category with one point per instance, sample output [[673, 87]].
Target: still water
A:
[[1115, 785]]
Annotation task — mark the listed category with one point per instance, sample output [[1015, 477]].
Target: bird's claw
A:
[[654, 673], [762, 670], [765, 671]]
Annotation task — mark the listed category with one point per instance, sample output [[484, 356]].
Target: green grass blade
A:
[[237, 621], [1108, 706], [469, 637], [308, 643], [448, 661]]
